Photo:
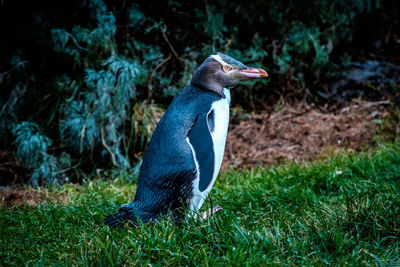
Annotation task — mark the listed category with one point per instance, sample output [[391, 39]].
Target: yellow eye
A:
[[227, 68]]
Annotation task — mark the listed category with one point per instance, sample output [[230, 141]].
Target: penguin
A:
[[185, 153]]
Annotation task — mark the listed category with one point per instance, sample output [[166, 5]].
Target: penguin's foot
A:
[[210, 212]]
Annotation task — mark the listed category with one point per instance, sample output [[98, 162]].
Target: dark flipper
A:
[[201, 140]]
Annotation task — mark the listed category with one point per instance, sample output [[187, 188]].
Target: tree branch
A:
[[172, 48], [103, 141], [149, 86]]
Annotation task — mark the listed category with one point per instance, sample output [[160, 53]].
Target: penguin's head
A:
[[221, 71]]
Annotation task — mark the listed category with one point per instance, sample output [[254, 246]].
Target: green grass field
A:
[[343, 210]]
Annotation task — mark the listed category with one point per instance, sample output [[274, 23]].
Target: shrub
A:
[[91, 72]]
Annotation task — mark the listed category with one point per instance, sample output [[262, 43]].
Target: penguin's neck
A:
[[209, 85]]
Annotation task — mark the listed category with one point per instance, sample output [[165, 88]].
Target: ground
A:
[[332, 199], [341, 210], [299, 133]]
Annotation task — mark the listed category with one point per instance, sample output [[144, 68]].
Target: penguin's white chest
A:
[[217, 122]]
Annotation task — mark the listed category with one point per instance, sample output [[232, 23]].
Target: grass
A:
[[344, 210]]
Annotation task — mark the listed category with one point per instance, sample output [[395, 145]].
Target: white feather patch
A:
[[219, 59]]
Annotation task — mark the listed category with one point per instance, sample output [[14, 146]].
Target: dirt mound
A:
[[301, 133], [19, 197]]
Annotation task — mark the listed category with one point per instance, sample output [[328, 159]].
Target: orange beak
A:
[[254, 73]]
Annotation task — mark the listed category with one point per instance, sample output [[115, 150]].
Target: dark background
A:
[[84, 82]]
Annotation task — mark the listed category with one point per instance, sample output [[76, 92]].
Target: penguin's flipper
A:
[[201, 141]]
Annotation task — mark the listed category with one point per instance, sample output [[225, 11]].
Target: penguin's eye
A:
[[227, 68]]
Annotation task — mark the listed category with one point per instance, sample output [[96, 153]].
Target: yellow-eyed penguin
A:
[[184, 156]]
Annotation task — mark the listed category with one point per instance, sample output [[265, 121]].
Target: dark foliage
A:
[[80, 79]]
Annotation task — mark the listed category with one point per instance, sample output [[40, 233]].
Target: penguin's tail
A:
[[125, 214]]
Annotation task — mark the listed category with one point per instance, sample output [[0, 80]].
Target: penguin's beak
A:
[[253, 73]]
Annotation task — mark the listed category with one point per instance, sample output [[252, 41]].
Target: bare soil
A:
[[23, 197], [302, 133]]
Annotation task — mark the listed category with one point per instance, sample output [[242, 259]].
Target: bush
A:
[[82, 68]]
